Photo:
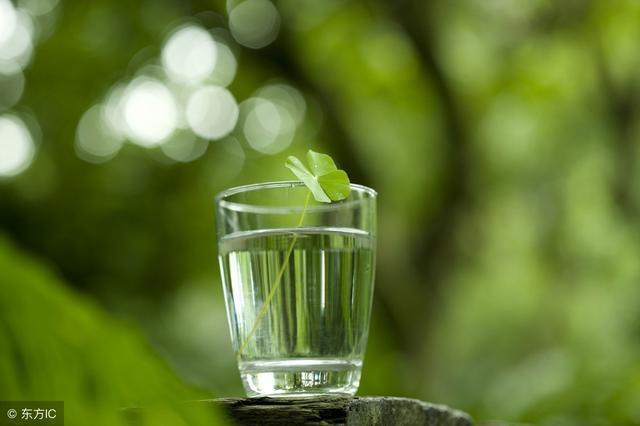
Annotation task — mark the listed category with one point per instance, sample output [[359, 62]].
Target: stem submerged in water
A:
[[276, 283]]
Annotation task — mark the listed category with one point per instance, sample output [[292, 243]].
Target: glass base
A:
[[301, 377]]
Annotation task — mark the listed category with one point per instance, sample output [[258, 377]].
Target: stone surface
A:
[[326, 410]]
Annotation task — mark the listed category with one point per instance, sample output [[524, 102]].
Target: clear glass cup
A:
[[298, 282]]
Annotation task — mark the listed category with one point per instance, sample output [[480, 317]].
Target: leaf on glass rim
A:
[[325, 181], [307, 178], [320, 164], [335, 184]]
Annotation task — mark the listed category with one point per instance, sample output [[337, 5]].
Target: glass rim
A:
[[256, 208]]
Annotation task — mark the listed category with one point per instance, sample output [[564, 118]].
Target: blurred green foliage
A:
[[58, 346], [508, 273]]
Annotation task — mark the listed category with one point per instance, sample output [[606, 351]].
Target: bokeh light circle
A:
[[8, 20], [150, 112], [16, 49], [287, 97], [11, 89], [16, 146], [184, 146], [268, 127], [226, 66], [212, 112], [38, 7], [113, 111], [94, 140], [254, 23], [190, 55]]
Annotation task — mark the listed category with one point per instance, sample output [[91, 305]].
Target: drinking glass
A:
[[298, 284]]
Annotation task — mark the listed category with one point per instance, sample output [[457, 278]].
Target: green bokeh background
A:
[[502, 137]]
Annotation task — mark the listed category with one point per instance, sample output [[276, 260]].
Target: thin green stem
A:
[[276, 283]]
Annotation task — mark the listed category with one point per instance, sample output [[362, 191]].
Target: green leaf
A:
[[335, 184], [307, 178], [320, 164], [325, 181]]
